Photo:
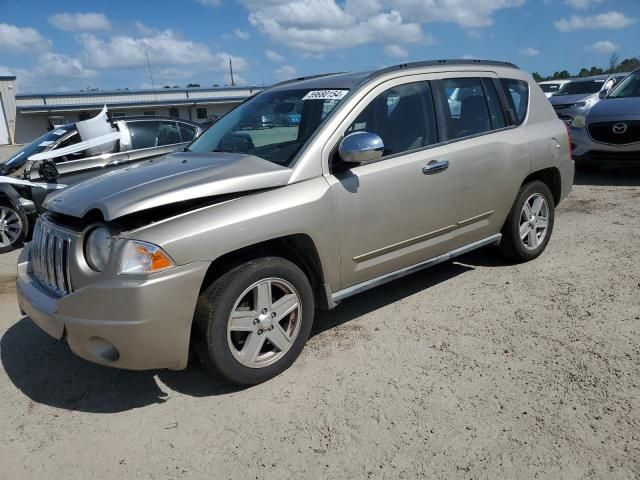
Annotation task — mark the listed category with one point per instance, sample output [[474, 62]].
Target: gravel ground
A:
[[473, 369]]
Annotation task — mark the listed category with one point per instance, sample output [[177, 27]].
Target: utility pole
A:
[[153, 85], [233, 83]]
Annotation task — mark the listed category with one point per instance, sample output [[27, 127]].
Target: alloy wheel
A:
[[10, 226], [534, 221], [264, 322]]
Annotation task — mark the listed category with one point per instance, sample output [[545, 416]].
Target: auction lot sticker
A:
[[325, 95]]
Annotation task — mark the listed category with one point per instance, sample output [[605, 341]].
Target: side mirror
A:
[[360, 147], [603, 94]]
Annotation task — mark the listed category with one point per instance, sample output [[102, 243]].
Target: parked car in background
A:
[[609, 133], [552, 86], [230, 253], [580, 94], [25, 183]]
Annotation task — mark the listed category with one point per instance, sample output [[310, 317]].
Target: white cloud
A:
[[466, 56], [62, 66], [80, 22], [241, 34], [395, 51], [286, 72], [314, 27], [163, 47], [604, 47], [475, 14], [583, 4], [274, 56], [609, 20], [21, 40], [530, 52]]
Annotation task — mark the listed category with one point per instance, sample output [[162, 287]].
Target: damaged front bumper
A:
[[135, 324]]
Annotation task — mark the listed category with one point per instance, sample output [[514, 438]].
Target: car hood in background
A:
[[616, 107], [569, 99], [167, 180]]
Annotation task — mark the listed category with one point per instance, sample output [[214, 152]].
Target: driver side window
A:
[[403, 116]]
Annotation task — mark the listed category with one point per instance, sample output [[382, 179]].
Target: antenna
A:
[[153, 85], [233, 83]]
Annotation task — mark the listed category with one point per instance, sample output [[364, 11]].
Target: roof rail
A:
[[301, 79], [435, 63]]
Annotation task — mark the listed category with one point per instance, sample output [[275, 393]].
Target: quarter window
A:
[[517, 92], [153, 134], [466, 111], [403, 116]]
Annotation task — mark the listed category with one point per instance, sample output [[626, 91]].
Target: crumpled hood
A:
[[569, 99], [167, 180], [622, 108]]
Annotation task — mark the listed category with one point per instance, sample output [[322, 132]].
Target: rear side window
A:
[[187, 132], [466, 111], [517, 92], [403, 116]]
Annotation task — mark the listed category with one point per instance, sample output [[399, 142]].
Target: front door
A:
[[401, 209]]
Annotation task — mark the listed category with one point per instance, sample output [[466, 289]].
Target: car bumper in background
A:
[[587, 151], [137, 324]]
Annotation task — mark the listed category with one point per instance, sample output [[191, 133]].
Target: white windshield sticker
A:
[[46, 143], [59, 132], [325, 95]]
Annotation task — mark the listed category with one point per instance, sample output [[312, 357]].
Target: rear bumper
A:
[[136, 324]]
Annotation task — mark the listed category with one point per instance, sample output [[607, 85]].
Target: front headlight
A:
[[579, 121], [143, 258], [98, 248]]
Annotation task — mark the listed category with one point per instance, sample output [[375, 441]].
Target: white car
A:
[[552, 86]]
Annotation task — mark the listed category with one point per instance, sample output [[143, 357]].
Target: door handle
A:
[[435, 166]]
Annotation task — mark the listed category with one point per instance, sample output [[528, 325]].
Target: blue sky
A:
[[72, 45]]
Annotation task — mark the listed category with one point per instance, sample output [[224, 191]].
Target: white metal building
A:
[[7, 109], [29, 116]]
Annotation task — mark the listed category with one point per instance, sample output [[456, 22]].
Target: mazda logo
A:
[[620, 128]]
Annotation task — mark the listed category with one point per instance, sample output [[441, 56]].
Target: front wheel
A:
[[13, 228], [526, 232], [252, 322]]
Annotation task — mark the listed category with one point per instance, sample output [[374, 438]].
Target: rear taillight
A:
[[569, 140]]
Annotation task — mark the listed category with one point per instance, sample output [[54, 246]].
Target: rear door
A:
[[486, 150]]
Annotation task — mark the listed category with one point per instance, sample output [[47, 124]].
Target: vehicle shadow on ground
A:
[[626, 176], [48, 373]]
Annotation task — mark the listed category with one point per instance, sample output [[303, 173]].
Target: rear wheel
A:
[[13, 227], [253, 322], [526, 232]]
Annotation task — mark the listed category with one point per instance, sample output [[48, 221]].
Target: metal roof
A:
[[102, 93], [115, 106]]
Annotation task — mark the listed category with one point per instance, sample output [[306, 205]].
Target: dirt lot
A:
[[474, 369]]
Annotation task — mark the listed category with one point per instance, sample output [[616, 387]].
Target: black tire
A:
[[215, 305], [512, 246], [24, 225]]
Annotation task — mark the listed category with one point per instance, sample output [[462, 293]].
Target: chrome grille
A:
[[50, 258]]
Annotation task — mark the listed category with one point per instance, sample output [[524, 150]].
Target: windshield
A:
[[272, 125], [16, 161], [629, 87], [550, 87], [581, 88]]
